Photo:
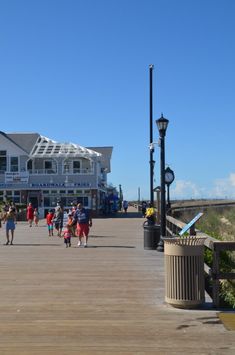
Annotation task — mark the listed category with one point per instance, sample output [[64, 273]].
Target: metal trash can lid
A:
[[193, 240]]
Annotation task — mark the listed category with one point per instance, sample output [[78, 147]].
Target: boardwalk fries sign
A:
[[17, 177]]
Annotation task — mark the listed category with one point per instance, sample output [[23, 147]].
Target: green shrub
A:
[[221, 226]]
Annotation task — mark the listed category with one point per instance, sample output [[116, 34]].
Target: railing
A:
[[42, 171], [213, 274]]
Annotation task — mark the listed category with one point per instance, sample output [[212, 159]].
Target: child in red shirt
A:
[[49, 218], [67, 234]]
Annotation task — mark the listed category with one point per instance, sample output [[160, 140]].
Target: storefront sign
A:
[[16, 177]]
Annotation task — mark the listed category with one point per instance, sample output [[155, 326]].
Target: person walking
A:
[[10, 220], [83, 220], [49, 219], [71, 224], [125, 206], [30, 212], [58, 219], [67, 234], [36, 217], [143, 208]]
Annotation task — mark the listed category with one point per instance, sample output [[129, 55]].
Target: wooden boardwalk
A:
[[105, 299]]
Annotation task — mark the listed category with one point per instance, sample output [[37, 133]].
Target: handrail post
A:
[[215, 281]]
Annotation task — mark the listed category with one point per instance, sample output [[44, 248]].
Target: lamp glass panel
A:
[[162, 124]]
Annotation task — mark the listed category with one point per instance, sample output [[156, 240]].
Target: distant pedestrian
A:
[[10, 219], [58, 219], [36, 217], [143, 208], [71, 224], [83, 219], [49, 219], [30, 214], [125, 206], [67, 234]]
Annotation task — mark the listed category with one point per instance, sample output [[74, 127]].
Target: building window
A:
[[76, 167], [49, 167], [14, 164], [47, 201], [16, 199], [66, 167], [30, 165], [3, 161]]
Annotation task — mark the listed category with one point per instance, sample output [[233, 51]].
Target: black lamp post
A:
[[120, 197], [151, 161], [162, 124]]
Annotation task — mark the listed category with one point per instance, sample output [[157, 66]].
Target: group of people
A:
[[78, 224], [32, 215]]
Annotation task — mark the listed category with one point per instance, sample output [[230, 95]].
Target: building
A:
[[37, 169]]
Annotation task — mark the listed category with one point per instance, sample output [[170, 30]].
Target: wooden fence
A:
[[213, 273]]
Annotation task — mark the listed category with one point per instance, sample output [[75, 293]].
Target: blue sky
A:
[[78, 71]]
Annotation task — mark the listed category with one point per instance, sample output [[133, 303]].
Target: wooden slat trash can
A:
[[151, 236], [184, 270]]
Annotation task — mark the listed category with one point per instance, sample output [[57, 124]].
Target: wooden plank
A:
[[105, 299], [176, 222]]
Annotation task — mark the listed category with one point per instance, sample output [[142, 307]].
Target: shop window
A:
[[63, 201], [16, 199], [85, 201], [46, 201]]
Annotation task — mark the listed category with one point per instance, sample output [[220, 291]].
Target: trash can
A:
[[151, 236], [184, 271]]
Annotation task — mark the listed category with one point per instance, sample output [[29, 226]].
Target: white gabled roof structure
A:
[[45, 148]]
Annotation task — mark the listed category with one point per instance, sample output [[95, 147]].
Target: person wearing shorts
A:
[[84, 222], [49, 219], [67, 234], [58, 219], [10, 219]]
